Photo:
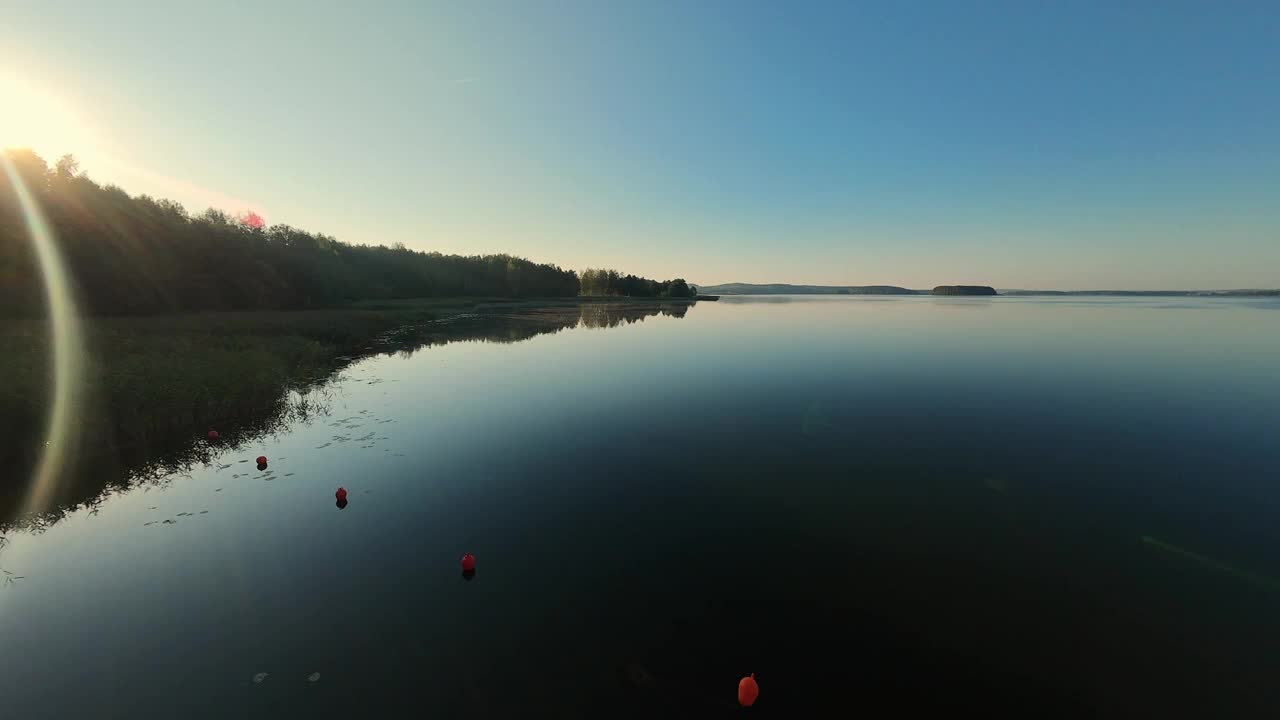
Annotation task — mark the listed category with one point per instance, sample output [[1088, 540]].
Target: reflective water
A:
[[1057, 507]]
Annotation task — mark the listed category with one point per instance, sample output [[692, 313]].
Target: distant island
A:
[[978, 290], [965, 290]]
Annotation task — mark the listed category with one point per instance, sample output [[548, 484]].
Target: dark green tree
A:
[[141, 255]]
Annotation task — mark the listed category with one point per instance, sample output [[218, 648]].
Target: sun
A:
[[36, 118]]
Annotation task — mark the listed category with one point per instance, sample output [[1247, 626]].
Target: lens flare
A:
[[68, 350]]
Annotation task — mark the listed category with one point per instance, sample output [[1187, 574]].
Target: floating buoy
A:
[[468, 563], [341, 494], [262, 466], [342, 503], [213, 436], [748, 690], [262, 459]]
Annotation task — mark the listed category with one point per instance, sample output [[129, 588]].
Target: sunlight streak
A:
[[194, 196], [67, 348]]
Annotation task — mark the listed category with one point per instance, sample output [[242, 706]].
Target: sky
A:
[[1076, 145]]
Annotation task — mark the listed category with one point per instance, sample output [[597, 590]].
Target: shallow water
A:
[[1051, 506]]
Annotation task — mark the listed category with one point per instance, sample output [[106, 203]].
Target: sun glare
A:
[[36, 118]]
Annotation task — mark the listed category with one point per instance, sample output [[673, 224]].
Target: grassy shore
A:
[[147, 376]]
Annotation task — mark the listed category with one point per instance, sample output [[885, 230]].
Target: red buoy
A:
[[213, 435], [262, 459], [748, 690], [468, 563], [341, 494]]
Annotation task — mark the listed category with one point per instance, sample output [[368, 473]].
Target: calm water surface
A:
[[1058, 507]]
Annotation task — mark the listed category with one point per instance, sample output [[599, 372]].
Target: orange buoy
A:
[[213, 436], [341, 494], [748, 690], [468, 563], [262, 459]]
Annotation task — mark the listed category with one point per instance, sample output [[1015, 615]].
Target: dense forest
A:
[[611, 282], [139, 255]]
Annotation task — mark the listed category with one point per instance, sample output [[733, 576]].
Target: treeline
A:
[[140, 255], [611, 282]]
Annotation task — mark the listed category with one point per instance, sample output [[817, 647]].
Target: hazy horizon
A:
[[1078, 148]]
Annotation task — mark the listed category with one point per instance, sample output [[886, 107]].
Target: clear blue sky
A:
[[1019, 144]]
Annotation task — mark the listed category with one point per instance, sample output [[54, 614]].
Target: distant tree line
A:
[[964, 290], [611, 282], [140, 255]]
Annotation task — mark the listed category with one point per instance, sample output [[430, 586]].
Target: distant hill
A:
[[785, 289]]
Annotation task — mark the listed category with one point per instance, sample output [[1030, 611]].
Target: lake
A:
[[1046, 506]]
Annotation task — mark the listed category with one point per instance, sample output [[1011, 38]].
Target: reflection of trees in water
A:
[[96, 477], [502, 328], [607, 315], [159, 462]]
